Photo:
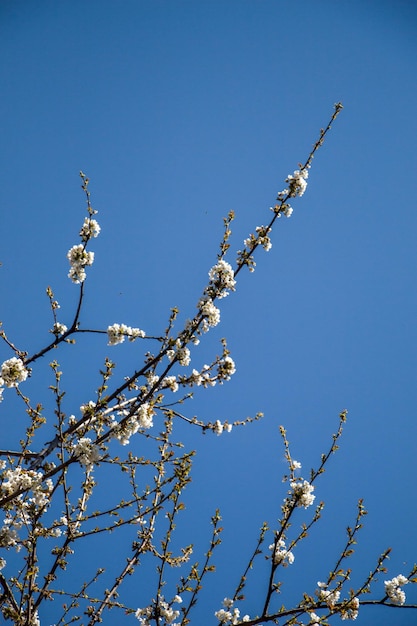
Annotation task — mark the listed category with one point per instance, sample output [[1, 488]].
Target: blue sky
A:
[[180, 111]]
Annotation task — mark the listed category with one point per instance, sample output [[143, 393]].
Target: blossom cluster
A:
[[19, 478], [230, 615], [297, 184], [142, 418], [79, 258], [12, 373], [59, 329], [281, 554], [350, 610], [89, 229], [219, 427], [86, 452], [226, 368], [15, 480], [202, 378], [180, 354], [262, 238], [303, 492], [393, 589], [223, 278], [326, 595], [165, 611], [211, 313], [117, 333]]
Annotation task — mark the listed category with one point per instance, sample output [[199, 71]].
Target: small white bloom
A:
[[13, 372], [281, 554], [326, 595], [351, 610], [222, 275], [303, 491], [211, 313], [89, 229], [393, 589], [297, 182], [86, 452], [117, 333], [79, 258], [218, 427], [59, 329]]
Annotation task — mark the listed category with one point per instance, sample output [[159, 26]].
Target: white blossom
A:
[[222, 275], [59, 329], [87, 452], [8, 536], [171, 383], [297, 182], [288, 211], [13, 372], [211, 313], [393, 589], [231, 615], [326, 595], [218, 427], [226, 368], [142, 418], [350, 610], [281, 554], [303, 491], [180, 354], [79, 258], [117, 333], [89, 229], [164, 609]]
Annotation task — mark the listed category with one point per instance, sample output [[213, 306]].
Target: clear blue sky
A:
[[180, 111]]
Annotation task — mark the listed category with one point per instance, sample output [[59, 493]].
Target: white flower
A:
[[303, 491], [181, 354], [218, 427], [393, 589], [59, 329], [297, 182], [223, 616], [86, 452], [226, 368], [264, 239], [89, 229], [288, 211], [79, 258], [350, 610], [13, 372], [2, 563], [314, 619], [118, 332], [211, 313], [141, 419], [171, 383], [281, 554], [222, 275], [327, 596]]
